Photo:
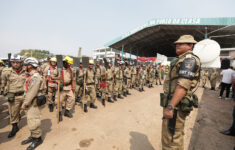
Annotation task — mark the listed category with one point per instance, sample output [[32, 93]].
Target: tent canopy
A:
[[158, 35]]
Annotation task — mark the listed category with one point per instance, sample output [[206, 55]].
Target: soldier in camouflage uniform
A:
[[98, 80], [79, 83], [127, 80], [1, 68], [118, 80], [213, 78], [133, 76], [182, 78]]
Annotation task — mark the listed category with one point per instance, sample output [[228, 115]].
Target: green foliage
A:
[[39, 54]]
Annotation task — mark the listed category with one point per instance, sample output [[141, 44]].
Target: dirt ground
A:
[[133, 123]]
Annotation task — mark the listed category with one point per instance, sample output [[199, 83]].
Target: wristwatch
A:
[[170, 107]]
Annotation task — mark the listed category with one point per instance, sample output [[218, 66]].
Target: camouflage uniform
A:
[[187, 83]]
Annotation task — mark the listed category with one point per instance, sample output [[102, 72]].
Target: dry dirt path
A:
[[133, 123]]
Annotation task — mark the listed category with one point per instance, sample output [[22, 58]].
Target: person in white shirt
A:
[[226, 82]]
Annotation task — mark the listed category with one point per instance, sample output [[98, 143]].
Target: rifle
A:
[[84, 86], [171, 125], [59, 67], [9, 60]]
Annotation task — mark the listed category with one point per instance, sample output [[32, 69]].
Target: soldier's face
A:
[[90, 66], [53, 63], [16, 65], [183, 47]]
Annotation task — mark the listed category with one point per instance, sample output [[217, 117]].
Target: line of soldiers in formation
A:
[[26, 82]]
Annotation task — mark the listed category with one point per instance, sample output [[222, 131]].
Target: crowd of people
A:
[[28, 84]]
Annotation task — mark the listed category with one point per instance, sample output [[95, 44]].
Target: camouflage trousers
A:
[[178, 138], [14, 109], [34, 121]]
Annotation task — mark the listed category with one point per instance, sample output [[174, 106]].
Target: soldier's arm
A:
[[33, 88]]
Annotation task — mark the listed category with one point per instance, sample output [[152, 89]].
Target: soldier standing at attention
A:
[[90, 87], [79, 83], [213, 78], [109, 81], [1, 68], [50, 84], [127, 79], [133, 76], [98, 80], [12, 84], [33, 99], [183, 76], [68, 82], [118, 80]]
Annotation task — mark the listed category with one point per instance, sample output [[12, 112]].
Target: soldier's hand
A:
[[45, 87], [167, 113]]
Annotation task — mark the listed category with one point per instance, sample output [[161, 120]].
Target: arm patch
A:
[[188, 68]]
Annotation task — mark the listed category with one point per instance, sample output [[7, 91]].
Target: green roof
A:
[[225, 21]]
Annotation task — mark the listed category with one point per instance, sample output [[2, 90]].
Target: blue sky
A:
[[62, 26]]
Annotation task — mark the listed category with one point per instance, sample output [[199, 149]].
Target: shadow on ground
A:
[[139, 141]]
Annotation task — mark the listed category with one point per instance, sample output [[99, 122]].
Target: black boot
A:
[[98, 95], [85, 108], [29, 140], [103, 102], [14, 130], [114, 97], [36, 142], [119, 96], [156, 83], [51, 107], [109, 100], [93, 106], [140, 89], [160, 83], [60, 116], [128, 93], [78, 99], [124, 94], [67, 113]]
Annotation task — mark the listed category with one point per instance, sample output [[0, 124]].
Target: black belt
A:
[[90, 83], [67, 84], [109, 79], [19, 94]]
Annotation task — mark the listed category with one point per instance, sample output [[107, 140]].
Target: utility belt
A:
[[118, 78], [52, 82], [109, 79], [68, 84], [11, 96], [19, 94], [90, 83]]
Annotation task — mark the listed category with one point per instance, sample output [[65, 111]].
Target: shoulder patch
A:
[[188, 68]]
